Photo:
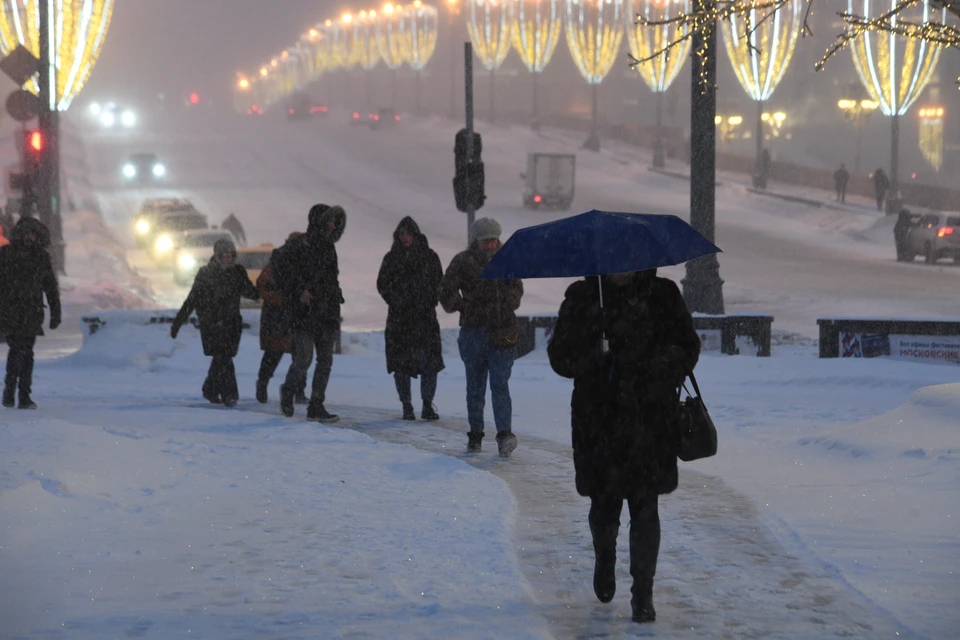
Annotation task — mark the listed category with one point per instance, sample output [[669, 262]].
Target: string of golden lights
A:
[[490, 25], [647, 42]]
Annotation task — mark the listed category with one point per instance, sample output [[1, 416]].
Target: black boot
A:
[[408, 412], [474, 441], [9, 398], [286, 401], [642, 602], [605, 564], [26, 402], [506, 443], [319, 413], [262, 391], [301, 398], [644, 549], [429, 412]]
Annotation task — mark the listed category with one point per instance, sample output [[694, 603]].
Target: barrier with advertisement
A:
[[925, 348]]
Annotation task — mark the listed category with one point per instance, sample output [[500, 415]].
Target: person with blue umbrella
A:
[[626, 338]]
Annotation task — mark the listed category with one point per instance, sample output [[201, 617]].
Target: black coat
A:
[[409, 282], [309, 263], [26, 276], [215, 296], [624, 404]]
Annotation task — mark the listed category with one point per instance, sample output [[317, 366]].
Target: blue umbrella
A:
[[597, 243]]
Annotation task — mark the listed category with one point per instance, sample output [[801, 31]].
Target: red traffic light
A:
[[35, 141], [194, 98]]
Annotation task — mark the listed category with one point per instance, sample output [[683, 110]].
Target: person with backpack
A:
[[409, 282], [215, 296]]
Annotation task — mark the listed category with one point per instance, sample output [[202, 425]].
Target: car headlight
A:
[[159, 170], [142, 227], [186, 261], [128, 118], [107, 119], [129, 171], [164, 244]]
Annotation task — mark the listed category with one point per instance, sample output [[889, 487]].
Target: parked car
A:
[[253, 259], [193, 250], [549, 180], [935, 236]]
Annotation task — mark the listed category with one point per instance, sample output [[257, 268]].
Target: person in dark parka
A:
[[26, 276], [409, 282], [881, 183], [307, 272], [901, 235], [215, 296], [624, 411]]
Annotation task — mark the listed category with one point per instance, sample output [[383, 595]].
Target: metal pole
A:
[[468, 108], [759, 131], [702, 286], [48, 189], [419, 108], [493, 107], [453, 69], [856, 162], [893, 191], [536, 115], [659, 159]]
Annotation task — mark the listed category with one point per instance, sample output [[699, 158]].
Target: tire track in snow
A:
[[721, 574]]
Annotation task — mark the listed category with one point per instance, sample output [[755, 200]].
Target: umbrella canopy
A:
[[597, 243]]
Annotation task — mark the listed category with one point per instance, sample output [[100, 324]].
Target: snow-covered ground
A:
[[130, 508]]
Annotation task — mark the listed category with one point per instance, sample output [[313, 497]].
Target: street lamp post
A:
[[454, 10], [857, 107]]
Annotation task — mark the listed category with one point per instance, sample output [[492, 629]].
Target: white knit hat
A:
[[485, 229]]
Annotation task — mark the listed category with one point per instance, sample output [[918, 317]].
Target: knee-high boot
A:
[[644, 549]]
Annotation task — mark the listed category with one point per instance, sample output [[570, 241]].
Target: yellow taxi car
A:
[[253, 259]]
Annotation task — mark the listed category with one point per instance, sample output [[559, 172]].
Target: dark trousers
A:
[[644, 536], [20, 363], [304, 344], [268, 364], [428, 387], [880, 198], [221, 379], [842, 193]]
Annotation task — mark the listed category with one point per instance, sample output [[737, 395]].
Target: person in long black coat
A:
[[901, 235], [624, 411], [215, 296], [26, 276], [881, 183], [307, 272], [409, 282]]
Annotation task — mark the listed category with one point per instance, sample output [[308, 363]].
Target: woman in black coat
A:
[[409, 282], [215, 296], [624, 412]]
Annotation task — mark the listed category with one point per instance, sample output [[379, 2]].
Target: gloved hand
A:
[[174, 330], [54, 323]]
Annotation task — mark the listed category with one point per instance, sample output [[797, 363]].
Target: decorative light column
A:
[[661, 63], [536, 32], [490, 23], [895, 70], [422, 39], [760, 46], [391, 30], [341, 34], [594, 34], [365, 51]]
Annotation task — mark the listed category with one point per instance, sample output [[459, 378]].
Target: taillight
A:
[[397, 118], [291, 111], [376, 117], [944, 231], [537, 198], [356, 116]]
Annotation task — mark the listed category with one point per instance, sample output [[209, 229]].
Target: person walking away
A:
[[26, 276], [306, 271], [880, 185], [232, 224], [276, 336], [623, 412], [840, 178], [409, 282], [901, 233], [488, 332], [215, 296]]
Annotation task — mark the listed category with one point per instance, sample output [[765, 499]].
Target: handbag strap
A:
[[696, 387]]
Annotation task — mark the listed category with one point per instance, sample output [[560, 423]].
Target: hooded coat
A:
[[483, 304], [215, 296], [309, 263], [26, 276], [409, 282], [625, 403]]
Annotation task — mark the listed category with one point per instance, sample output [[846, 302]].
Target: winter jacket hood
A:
[[319, 218], [410, 226], [30, 225]]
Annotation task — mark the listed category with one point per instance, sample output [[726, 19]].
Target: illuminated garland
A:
[[536, 32], [422, 37], [931, 136], [661, 65], [80, 29], [317, 37], [761, 45], [894, 69], [338, 38], [391, 30], [594, 34], [365, 52], [490, 25]]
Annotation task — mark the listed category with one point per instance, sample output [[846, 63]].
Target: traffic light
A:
[[468, 179], [33, 146]]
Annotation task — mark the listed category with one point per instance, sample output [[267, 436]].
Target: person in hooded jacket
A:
[[409, 282], [489, 332], [215, 296], [623, 412], [26, 276], [307, 273], [276, 335]]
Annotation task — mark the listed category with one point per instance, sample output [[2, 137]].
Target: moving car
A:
[[192, 250], [383, 118], [144, 167], [303, 107], [935, 236], [145, 222], [549, 180], [253, 259]]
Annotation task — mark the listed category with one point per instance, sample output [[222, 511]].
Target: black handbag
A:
[[696, 432]]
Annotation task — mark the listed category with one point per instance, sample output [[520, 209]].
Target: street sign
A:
[[23, 105], [20, 65]]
